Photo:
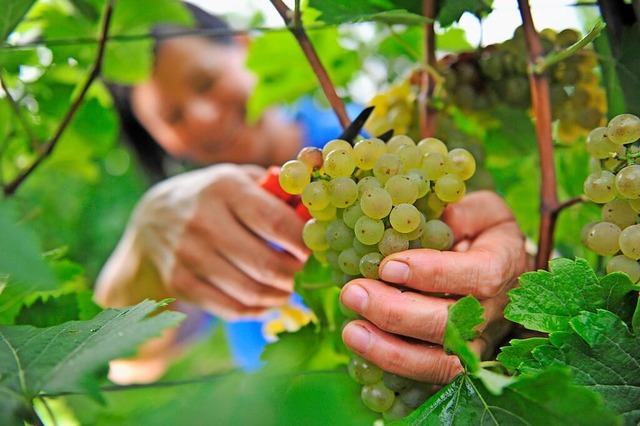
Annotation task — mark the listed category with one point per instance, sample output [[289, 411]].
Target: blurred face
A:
[[195, 103]]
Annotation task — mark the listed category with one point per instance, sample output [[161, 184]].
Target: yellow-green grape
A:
[[399, 141], [405, 218], [437, 235], [377, 397], [600, 187], [376, 203], [417, 233], [335, 144], [294, 176], [628, 181], [624, 129], [314, 235], [312, 157], [427, 145], [629, 241], [410, 155], [367, 183], [622, 263], [461, 162], [343, 191], [364, 371], [430, 205], [327, 214], [351, 214], [339, 235], [603, 238], [584, 233], [402, 189], [316, 195], [435, 164], [598, 144], [349, 261], [369, 264], [635, 204], [367, 151], [386, 166], [450, 188], [369, 231], [363, 249], [392, 242], [339, 163], [620, 213], [421, 179]]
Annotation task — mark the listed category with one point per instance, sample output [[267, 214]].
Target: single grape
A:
[[629, 241], [311, 157], [339, 163], [351, 214], [410, 155], [624, 129], [435, 164], [376, 203], [349, 261], [366, 183], [368, 230], [395, 382], [416, 394], [405, 218], [421, 179], [335, 144], [294, 176], [377, 397], [369, 264], [339, 235], [402, 189], [603, 238], [327, 214], [367, 151], [398, 410], [432, 145], [461, 163], [417, 233], [343, 191], [620, 213], [386, 166], [584, 233], [600, 187], [628, 181], [314, 235], [364, 371], [392, 242], [598, 144], [399, 141], [622, 263], [316, 195], [450, 188], [437, 235]]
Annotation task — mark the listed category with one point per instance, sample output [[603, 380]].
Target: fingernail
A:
[[355, 297], [395, 272], [357, 338]]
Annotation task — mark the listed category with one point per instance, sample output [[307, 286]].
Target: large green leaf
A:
[[12, 13], [547, 398], [546, 301], [604, 355], [451, 10], [386, 11], [65, 358]]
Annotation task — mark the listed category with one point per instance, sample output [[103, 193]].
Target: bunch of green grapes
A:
[[395, 109], [368, 201], [615, 183], [498, 75]]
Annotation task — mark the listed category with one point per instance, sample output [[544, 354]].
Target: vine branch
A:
[[47, 149], [293, 22], [427, 84], [542, 111]]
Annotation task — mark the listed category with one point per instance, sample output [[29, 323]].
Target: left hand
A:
[[402, 330]]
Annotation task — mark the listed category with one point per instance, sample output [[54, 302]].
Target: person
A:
[[220, 245]]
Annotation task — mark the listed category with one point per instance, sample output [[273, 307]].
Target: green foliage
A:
[[451, 10], [12, 13], [384, 11], [64, 358], [464, 315]]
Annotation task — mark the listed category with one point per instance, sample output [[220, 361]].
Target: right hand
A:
[[204, 237]]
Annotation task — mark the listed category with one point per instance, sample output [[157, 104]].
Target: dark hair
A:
[[155, 161]]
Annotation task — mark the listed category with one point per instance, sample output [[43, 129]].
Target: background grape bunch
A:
[[614, 182], [497, 75], [370, 200]]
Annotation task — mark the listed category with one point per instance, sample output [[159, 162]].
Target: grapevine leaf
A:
[[315, 398], [519, 351], [636, 319], [12, 13], [385, 11], [464, 315], [66, 357], [547, 398], [546, 301], [452, 10], [603, 355]]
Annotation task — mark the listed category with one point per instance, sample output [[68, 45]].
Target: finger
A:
[[408, 313], [271, 218], [249, 253], [416, 360], [195, 290]]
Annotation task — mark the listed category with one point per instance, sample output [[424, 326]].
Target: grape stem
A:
[[549, 205], [10, 188], [293, 21]]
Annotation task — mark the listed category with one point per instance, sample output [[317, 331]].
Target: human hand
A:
[[202, 237], [402, 330]]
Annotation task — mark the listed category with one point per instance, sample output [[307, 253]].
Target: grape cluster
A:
[[497, 75], [370, 200], [395, 108], [615, 183]]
